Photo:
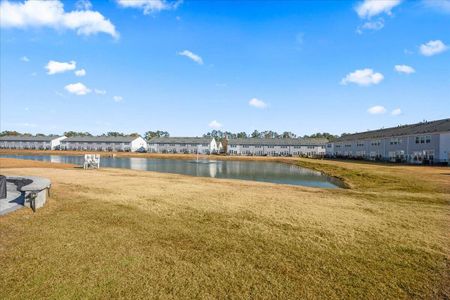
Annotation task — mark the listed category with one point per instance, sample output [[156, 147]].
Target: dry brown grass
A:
[[114, 233]]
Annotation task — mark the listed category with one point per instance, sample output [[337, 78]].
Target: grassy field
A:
[[114, 233]]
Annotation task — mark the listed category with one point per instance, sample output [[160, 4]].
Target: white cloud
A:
[[371, 25], [257, 103], [215, 125], [364, 77], [404, 69], [80, 72], [54, 67], [99, 92], [192, 56], [149, 6], [442, 6], [77, 89], [376, 110], [51, 14], [396, 112], [83, 5], [433, 48], [117, 98], [370, 8], [24, 59]]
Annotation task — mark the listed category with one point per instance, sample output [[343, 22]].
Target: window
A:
[[428, 139], [417, 140], [360, 144], [422, 140]]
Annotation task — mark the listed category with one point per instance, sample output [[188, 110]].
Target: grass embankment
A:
[[133, 234]]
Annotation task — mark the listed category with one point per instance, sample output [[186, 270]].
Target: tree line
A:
[[217, 134]]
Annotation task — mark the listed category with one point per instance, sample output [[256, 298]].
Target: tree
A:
[[114, 133], [8, 132], [323, 135], [152, 134], [75, 133], [242, 135], [288, 135], [255, 134]]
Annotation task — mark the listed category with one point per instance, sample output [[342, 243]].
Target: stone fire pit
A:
[[24, 191]]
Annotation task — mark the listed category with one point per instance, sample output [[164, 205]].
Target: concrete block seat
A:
[[29, 191]]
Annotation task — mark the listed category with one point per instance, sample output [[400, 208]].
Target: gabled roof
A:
[[278, 142], [100, 139], [27, 138], [180, 140], [418, 128]]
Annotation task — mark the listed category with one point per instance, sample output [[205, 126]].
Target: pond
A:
[[232, 169]]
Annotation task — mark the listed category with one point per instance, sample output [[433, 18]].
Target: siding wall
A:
[[397, 148], [259, 150]]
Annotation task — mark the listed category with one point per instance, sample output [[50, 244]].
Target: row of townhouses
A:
[[425, 142], [184, 145], [251, 146], [277, 147], [97, 143]]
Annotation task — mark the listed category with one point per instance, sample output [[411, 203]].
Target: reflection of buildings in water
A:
[[304, 171], [55, 159], [137, 163], [212, 170]]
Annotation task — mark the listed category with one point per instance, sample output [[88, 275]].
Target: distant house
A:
[[183, 145], [50, 142], [105, 143], [425, 142], [277, 147]]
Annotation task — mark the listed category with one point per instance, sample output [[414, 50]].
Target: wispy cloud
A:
[[370, 25], [51, 14], [80, 73], [117, 98], [257, 103], [396, 112], [405, 69], [24, 59], [99, 92], [433, 47], [371, 8], [149, 6], [376, 110], [215, 124], [191, 56], [78, 89], [364, 77], [54, 67], [442, 6]]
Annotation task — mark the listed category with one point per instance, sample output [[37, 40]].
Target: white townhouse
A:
[[277, 147], [50, 142], [420, 143], [201, 145], [105, 143]]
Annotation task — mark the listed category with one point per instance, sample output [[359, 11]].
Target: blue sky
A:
[[188, 67]]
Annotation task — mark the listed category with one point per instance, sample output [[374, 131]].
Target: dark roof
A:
[[180, 140], [27, 138], [278, 142], [100, 139], [418, 128]]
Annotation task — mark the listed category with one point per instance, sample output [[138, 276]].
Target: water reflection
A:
[[247, 170]]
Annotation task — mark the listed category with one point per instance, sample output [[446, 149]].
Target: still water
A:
[[247, 170]]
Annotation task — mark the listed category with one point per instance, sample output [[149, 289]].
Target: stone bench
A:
[[33, 189]]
